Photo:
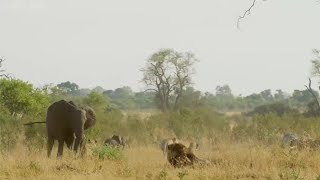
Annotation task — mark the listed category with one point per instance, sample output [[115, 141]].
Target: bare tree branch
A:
[[150, 90], [4, 75], [246, 13], [2, 70]]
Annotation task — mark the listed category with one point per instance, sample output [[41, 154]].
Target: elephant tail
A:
[[31, 123]]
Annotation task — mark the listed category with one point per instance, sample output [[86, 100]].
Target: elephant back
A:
[[59, 115]]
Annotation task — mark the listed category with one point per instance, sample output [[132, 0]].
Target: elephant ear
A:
[[91, 118]]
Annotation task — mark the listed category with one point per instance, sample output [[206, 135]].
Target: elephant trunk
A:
[[78, 142]]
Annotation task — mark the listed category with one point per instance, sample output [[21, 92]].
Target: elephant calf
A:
[[115, 141]]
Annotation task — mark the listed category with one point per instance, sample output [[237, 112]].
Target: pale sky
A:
[[107, 42]]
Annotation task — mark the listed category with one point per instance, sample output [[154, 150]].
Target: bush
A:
[[20, 97], [277, 108], [9, 132], [108, 152], [35, 136]]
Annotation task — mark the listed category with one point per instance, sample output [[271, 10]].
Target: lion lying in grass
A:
[[180, 156]]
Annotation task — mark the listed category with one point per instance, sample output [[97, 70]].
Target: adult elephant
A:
[[66, 123]]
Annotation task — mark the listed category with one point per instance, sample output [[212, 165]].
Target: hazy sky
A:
[[107, 42]]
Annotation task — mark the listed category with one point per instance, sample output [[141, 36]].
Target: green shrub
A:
[[35, 136], [277, 108], [108, 152], [9, 132]]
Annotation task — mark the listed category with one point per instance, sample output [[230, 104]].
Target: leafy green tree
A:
[[98, 89], [266, 95], [191, 98], [122, 98], [254, 100], [20, 97], [279, 95], [83, 92], [69, 87], [55, 93], [300, 98], [144, 100], [109, 93], [277, 108], [96, 100], [223, 99], [224, 91], [124, 92]]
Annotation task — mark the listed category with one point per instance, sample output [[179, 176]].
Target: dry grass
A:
[[228, 161]]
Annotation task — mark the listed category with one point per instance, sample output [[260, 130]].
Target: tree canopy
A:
[[21, 97], [168, 73]]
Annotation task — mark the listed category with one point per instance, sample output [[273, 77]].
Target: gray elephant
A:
[[115, 141], [66, 123]]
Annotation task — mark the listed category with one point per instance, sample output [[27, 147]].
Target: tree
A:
[[267, 95], [301, 98], [279, 95], [278, 108], [144, 100], [98, 89], [83, 92], [21, 98], [56, 93], [224, 91], [123, 98], [191, 98], [70, 88], [246, 13], [109, 93], [315, 71], [168, 72], [315, 105], [2, 71], [315, 100], [123, 92], [96, 100]]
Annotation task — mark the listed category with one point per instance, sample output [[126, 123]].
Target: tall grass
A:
[[250, 150]]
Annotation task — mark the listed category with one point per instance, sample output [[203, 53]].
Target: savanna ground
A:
[[228, 161], [238, 145], [251, 149], [240, 136]]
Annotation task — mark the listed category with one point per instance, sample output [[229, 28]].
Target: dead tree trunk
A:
[[309, 88]]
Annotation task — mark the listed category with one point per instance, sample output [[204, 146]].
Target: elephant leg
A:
[[70, 141], [78, 143], [60, 147], [79, 139], [50, 146]]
